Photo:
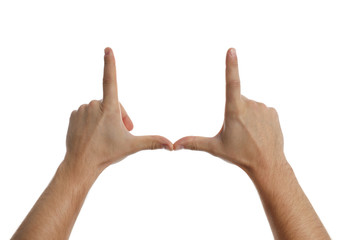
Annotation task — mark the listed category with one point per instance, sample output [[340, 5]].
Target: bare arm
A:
[[252, 139], [98, 136], [290, 214], [55, 212]]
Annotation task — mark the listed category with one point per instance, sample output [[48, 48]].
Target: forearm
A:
[[290, 214], [55, 212]]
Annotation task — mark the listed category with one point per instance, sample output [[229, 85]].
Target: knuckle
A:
[[263, 105], [109, 59], [243, 98], [193, 145], [252, 103], [106, 80], [273, 111], [257, 104], [234, 110], [73, 113], [154, 145], [234, 83], [233, 62], [93, 103], [82, 107], [101, 107]]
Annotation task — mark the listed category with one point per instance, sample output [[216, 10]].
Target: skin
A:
[[98, 136], [251, 138]]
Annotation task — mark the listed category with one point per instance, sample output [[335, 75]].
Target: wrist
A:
[[76, 170], [268, 170]]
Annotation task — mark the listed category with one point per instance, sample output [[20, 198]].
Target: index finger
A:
[[232, 76], [109, 79]]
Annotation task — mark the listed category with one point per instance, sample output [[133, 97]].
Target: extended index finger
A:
[[109, 79], [232, 76]]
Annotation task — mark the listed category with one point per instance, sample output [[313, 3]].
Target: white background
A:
[[170, 65]]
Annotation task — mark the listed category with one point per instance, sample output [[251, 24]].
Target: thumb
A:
[[151, 142], [195, 143]]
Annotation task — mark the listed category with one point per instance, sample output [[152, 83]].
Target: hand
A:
[[250, 137], [98, 133]]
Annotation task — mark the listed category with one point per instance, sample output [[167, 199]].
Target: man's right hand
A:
[[251, 135], [251, 138]]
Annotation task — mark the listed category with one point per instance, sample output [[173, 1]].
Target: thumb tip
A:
[[178, 147], [168, 147]]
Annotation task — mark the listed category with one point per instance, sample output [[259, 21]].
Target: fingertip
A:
[[180, 144], [232, 75], [231, 55], [131, 127], [194, 143], [109, 58], [128, 123], [152, 142], [108, 51], [232, 52], [178, 147], [168, 145]]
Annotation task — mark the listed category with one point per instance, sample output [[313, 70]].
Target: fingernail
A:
[[107, 51], [233, 52], [178, 147]]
